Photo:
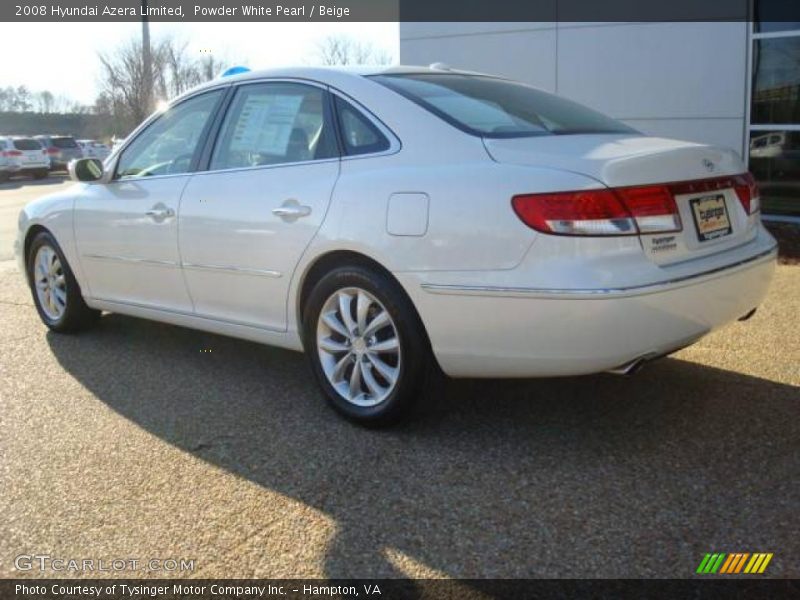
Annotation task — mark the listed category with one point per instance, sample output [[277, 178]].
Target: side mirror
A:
[[85, 169]]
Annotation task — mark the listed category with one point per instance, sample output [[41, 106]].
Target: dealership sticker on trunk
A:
[[710, 217]]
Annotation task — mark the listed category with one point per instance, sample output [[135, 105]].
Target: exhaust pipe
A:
[[632, 367], [628, 368]]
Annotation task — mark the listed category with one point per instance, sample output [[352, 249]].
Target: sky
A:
[[62, 57]]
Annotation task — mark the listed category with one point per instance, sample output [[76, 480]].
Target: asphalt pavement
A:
[[147, 441]]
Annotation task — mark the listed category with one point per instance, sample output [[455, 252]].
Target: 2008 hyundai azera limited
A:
[[392, 220]]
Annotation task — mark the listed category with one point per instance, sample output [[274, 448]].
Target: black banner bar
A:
[[401, 10], [385, 589]]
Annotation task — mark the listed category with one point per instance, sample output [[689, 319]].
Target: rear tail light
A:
[[53, 151], [620, 211], [653, 207], [747, 190], [625, 210], [591, 212], [10, 153]]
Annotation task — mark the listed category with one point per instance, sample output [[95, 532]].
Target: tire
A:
[[388, 383], [68, 312]]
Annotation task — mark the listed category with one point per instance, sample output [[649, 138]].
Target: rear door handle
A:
[[160, 212], [291, 210]]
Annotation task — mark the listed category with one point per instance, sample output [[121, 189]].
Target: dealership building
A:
[[733, 84]]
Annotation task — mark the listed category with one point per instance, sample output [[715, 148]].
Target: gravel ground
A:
[[130, 441], [788, 236]]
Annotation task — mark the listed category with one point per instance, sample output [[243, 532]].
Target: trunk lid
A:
[[712, 216]]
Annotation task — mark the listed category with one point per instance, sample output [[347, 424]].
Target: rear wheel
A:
[[55, 291], [366, 345]]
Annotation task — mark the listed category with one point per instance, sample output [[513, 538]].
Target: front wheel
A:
[[55, 291], [366, 345]]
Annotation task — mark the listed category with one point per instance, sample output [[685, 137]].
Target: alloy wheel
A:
[[50, 283], [358, 346]]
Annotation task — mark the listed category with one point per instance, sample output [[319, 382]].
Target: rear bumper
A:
[[511, 331], [27, 168]]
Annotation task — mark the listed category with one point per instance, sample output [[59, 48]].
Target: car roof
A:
[[330, 75]]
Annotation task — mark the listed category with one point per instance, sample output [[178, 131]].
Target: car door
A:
[[245, 222], [127, 229]]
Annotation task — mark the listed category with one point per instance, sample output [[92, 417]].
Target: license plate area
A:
[[710, 216]]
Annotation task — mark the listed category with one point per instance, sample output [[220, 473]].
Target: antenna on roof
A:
[[440, 66]]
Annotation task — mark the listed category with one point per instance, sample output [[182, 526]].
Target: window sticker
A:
[[265, 123]]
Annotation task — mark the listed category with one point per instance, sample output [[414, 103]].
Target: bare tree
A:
[[131, 90], [44, 101], [179, 72], [125, 82], [344, 50], [15, 99], [209, 66]]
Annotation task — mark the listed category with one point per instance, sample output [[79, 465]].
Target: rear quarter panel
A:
[[470, 223]]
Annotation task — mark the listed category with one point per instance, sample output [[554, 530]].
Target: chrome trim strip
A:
[[301, 163], [183, 313], [199, 267], [131, 259], [580, 294], [233, 270]]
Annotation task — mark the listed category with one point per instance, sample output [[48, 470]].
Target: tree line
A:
[[21, 99], [131, 84]]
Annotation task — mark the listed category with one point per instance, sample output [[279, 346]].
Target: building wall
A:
[[682, 80]]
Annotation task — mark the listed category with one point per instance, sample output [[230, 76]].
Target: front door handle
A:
[[291, 210], [160, 212]]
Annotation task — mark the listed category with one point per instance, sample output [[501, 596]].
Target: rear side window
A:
[[359, 134], [63, 142], [27, 144], [498, 108]]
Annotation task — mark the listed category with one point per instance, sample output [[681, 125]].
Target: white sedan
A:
[[94, 149], [393, 221]]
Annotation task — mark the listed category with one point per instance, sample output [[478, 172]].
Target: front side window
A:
[[274, 123], [491, 107], [359, 135], [169, 144]]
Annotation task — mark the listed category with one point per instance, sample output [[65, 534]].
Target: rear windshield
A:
[[27, 144], [63, 142], [498, 108]]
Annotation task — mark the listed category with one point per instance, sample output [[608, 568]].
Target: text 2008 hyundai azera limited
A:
[[389, 220]]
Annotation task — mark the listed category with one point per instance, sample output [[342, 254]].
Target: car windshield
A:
[[64, 142], [27, 144], [491, 107]]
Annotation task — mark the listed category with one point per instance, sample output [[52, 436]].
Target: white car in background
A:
[[22, 156], [386, 221], [94, 149]]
